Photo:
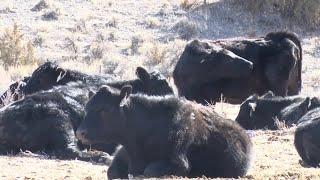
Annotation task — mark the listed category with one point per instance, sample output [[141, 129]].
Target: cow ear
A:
[[268, 94], [314, 102], [307, 102], [252, 107], [91, 93], [142, 74], [253, 97], [62, 74], [124, 95]]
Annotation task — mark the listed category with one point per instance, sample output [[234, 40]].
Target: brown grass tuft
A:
[[186, 29], [281, 125], [157, 54], [15, 50], [188, 4], [302, 12]]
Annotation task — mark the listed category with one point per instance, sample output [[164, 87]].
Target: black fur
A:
[[277, 63], [14, 93], [50, 74], [165, 135], [306, 139], [261, 112], [202, 62], [46, 121], [75, 94]]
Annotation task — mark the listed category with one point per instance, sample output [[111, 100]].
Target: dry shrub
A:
[[136, 42], [14, 50], [40, 6], [152, 22], [186, 29], [302, 12], [51, 15], [188, 4], [157, 54], [281, 125]]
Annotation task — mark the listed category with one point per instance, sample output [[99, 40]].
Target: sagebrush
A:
[[15, 50], [302, 12]]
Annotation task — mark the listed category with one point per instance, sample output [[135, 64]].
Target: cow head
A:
[[147, 83], [246, 113], [105, 119], [153, 83], [282, 70], [202, 62], [45, 77]]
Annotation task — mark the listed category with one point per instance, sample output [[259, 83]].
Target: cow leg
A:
[[119, 165], [160, 168], [74, 153], [312, 150], [64, 146], [108, 148]]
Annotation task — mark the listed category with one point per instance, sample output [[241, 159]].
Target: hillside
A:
[[114, 37]]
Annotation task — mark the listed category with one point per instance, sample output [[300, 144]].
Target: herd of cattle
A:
[[153, 132]]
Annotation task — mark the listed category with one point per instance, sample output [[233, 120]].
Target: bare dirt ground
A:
[[101, 36]]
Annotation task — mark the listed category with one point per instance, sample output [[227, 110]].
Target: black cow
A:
[[261, 112], [277, 62], [46, 121], [165, 136], [46, 77], [69, 104], [50, 74], [201, 62], [307, 138], [14, 93]]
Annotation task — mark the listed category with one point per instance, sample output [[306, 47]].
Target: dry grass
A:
[[98, 36], [157, 53], [15, 50], [302, 12], [274, 157], [186, 29], [20, 167], [189, 4]]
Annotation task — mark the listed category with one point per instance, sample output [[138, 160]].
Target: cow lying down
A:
[[263, 112], [45, 77], [14, 92], [307, 138], [239, 68], [164, 136], [47, 120]]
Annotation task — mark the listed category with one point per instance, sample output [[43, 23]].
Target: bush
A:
[[303, 12], [14, 50], [186, 29]]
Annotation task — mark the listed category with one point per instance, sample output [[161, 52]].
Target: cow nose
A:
[[81, 133]]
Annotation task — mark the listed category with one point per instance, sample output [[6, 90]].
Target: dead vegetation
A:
[[40, 6], [114, 37], [186, 29], [50, 15], [302, 12], [15, 50]]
